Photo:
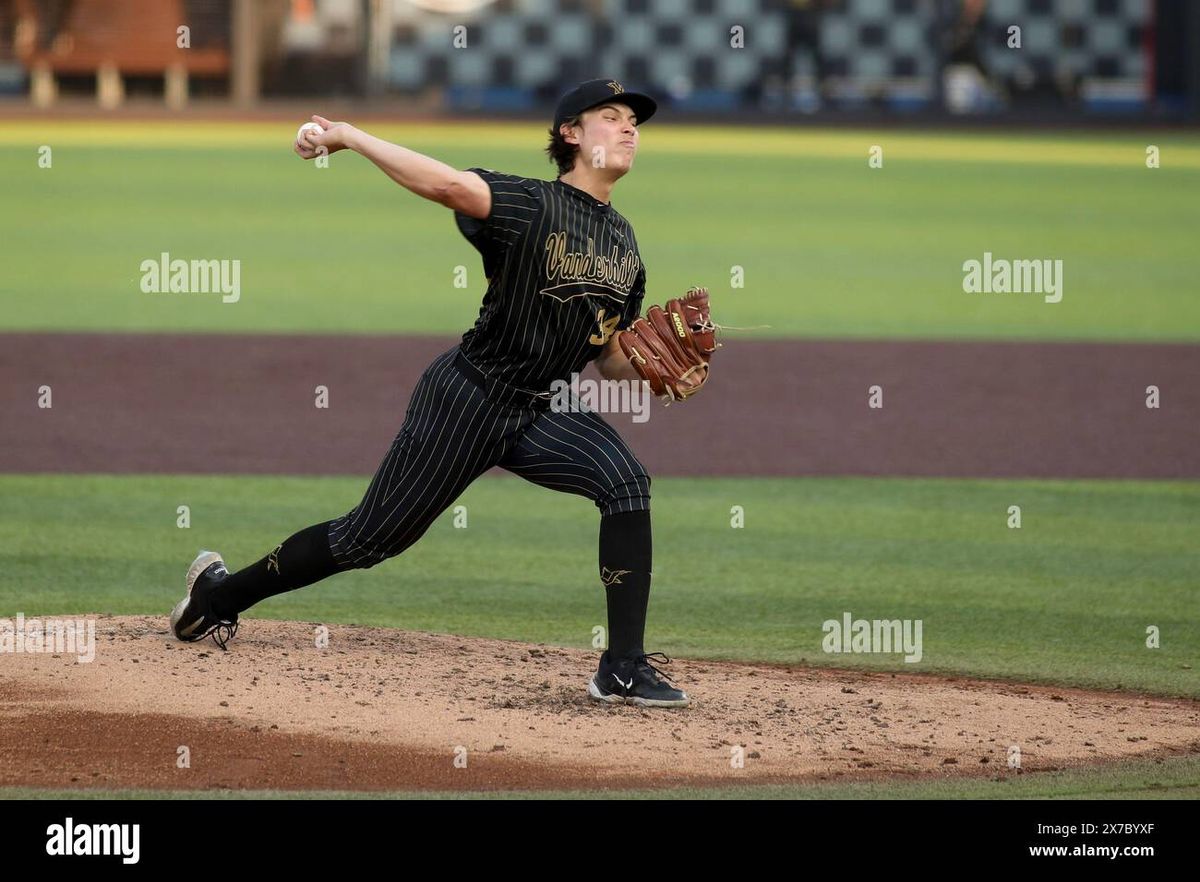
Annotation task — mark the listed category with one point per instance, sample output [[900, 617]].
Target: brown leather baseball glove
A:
[[670, 346]]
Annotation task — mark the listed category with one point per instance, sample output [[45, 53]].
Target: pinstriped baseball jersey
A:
[[564, 273], [452, 434]]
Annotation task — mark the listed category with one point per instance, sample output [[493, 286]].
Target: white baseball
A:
[[307, 125]]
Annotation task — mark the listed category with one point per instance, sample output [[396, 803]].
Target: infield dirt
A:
[[380, 709], [229, 404]]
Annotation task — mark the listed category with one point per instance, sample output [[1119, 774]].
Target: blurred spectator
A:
[[965, 82], [805, 66], [963, 39]]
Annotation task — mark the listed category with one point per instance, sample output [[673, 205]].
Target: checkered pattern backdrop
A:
[[1091, 39], [522, 53]]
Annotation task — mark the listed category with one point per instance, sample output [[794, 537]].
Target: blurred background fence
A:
[[1031, 59]]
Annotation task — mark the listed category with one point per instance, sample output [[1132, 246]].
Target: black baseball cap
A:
[[593, 92]]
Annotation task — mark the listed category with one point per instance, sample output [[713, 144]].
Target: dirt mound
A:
[[380, 709]]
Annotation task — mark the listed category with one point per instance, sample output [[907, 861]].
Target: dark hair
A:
[[559, 151]]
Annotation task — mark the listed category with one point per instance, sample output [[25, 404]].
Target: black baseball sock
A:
[[625, 554], [299, 560]]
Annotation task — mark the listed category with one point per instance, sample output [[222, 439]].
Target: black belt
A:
[[499, 392]]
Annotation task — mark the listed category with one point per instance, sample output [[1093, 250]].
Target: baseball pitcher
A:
[[565, 284]]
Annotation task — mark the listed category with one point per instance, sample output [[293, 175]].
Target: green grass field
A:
[[829, 247], [1065, 599], [1174, 778]]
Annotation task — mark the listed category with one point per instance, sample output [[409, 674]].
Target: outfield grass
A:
[[1175, 778], [829, 247], [1065, 599]]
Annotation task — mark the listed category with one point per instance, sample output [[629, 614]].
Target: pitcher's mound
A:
[[380, 709]]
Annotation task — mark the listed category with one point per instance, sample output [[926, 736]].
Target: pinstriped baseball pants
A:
[[452, 434]]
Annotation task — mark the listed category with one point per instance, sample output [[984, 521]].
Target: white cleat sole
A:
[[202, 562]]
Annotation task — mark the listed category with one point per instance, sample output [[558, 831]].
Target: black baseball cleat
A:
[[192, 618], [636, 681]]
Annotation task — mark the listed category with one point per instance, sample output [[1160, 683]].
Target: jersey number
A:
[[605, 327]]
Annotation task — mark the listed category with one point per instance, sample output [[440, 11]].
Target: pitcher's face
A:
[[608, 137]]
